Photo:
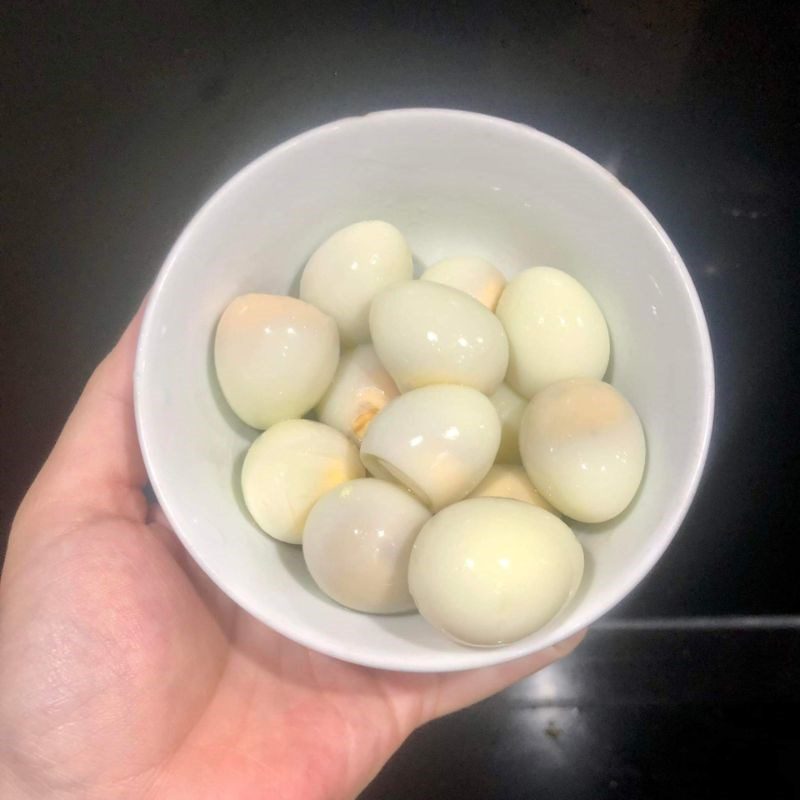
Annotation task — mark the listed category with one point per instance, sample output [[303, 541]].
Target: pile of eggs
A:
[[456, 420]]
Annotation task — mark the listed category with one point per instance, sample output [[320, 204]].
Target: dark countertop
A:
[[121, 118], [639, 711]]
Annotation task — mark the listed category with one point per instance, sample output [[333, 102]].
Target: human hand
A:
[[124, 672]]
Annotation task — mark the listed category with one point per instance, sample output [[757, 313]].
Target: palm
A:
[[171, 683], [124, 671]]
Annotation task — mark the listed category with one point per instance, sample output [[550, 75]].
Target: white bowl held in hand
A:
[[357, 542], [488, 571], [438, 441], [359, 390], [288, 468], [475, 276], [583, 448], [555, 330], [274, 357], [452, 182], [348, 269], [425, 333]]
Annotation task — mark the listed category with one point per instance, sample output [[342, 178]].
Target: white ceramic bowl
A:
[[455, 183]]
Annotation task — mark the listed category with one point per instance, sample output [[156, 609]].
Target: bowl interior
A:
[[454, 183]]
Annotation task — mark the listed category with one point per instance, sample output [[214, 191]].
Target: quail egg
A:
[[511, 481], [488, 571], [350, 268], [357, 542], [288, 468], [583, 448], [555, 330], [438, 441], [425, 333], [510, 407], [475, 276], [274, 357], [360, 389]]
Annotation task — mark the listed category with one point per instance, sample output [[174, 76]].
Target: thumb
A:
[[96, 466]]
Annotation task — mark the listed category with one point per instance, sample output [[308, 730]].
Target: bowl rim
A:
[[471, 657]]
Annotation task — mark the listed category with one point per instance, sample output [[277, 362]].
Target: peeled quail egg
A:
[[425, 333], [360, 389], [475, 276], [347, 270], [288, 468], [357, 541], [511, 481], [583, 448], [555, 330], [274, 357], [439, 441], [510, 407], [488, 570]]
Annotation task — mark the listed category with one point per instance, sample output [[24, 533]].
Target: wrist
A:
[[336, 753]]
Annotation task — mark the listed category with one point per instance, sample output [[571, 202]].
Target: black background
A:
[[119, 119]]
